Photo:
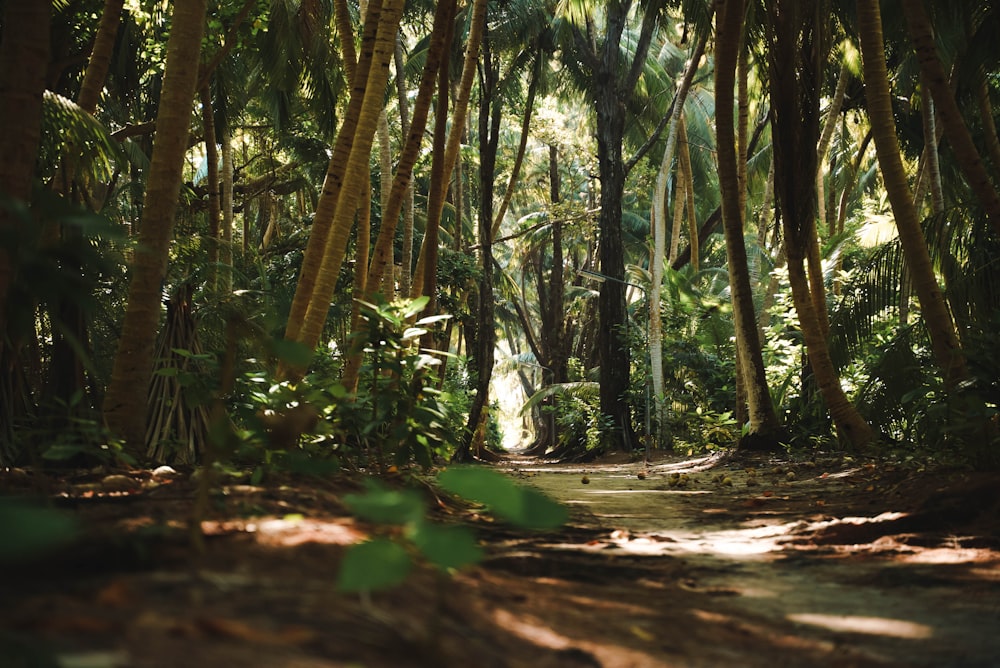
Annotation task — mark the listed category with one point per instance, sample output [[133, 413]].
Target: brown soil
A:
[[675, 562]]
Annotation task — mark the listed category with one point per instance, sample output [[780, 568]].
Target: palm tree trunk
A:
[[363, 241], [326, 206], [100, 56], [764, 424], [764, 317], [845, 196], [688, 175], [989, 125], [515, 171], [659, 227], [489, 138], [680, 199], [406, 256], [964, 148], [824, 141], [382, 253], [427, 263], [795, 68], [380, 264], [742, 121], [356, 172], [24, 57], [944, 340], [125, 401]]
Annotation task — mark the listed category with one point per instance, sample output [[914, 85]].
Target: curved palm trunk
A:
[[764, 424], [795, 69], [435, 195], [687, 174], [356, 173], [406, 256], [326, 205], [966, 154], [100, 56], [824, 142], [380, 265], [427, 263], [659, 227], [382, 252], [944, 340], [515, 171], [125, 401]]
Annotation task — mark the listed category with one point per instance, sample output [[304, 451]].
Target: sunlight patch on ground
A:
[[647, 491], [603, 654], [289, 530], [951, 555], [738, 543], [531, 630], [895, 628], [883, 517]]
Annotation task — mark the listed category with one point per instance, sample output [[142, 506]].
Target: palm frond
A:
[[586, 388], [69, 131]]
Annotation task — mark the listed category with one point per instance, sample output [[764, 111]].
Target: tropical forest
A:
[[499, 333]]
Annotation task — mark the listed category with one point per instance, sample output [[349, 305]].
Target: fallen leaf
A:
[[238, 630], [642, 634], [115, 595]]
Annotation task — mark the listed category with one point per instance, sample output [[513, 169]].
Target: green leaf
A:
[[522, 506], [415, 306], [62, 451], [28, 530], [387, 506], [447, 547], [413, 333], [431, 319], [291, 352], [375, 564], [306, 464]]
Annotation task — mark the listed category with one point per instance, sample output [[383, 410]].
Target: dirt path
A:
[[695, 563], [829, 553]]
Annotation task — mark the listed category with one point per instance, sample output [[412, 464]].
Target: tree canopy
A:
[[311, 233]]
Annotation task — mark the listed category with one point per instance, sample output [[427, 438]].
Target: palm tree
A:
[[100, 56], [796, 61], [339, 200], [612, 83], [326, 206], [659, 227], [425, 276], [934, 76], [764, 425], [125, 401], [944, 340], [24, 56], [382, 253]]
